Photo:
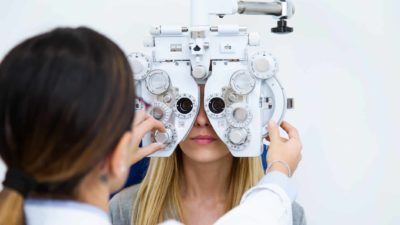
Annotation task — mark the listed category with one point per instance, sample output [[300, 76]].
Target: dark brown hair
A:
[[66, 99]]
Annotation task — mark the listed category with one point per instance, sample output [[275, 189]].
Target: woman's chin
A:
[[206, 155]]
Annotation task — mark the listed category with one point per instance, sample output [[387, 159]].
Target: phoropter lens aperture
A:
[[184, 105], [216, 105]]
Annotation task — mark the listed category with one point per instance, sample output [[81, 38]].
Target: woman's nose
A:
[[202, 119]]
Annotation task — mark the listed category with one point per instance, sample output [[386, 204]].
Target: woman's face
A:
[[202, 144]]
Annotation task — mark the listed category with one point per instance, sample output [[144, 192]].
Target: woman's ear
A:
[[119, 162]]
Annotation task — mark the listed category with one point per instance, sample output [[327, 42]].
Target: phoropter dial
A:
[[242, 82], [237, 139], [168, 137], [237, 136], [263, 65], [157, 82], [161, 112], [140, 64], [238, 115]]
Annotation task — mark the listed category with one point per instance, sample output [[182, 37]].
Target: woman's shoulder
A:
[[298, 214], [121, 205]]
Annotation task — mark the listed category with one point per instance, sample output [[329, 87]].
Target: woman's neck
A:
[[88, 191], [206, 180], [92, 191]]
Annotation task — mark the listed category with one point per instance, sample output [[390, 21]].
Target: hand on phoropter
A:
[[142, 124], [283, 154]]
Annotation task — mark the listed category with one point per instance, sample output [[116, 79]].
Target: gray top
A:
[[121, 207]]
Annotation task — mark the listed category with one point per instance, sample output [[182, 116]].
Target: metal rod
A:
[[260, 8], [199, 13]]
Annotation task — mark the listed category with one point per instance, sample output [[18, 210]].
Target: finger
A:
[[273, 131], [282, 139], [146, 151], [297, 143], [140, 116], [148, 125], [290, 130]]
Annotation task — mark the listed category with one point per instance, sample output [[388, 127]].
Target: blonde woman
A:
[[198, 184]]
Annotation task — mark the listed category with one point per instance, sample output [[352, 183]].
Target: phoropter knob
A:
[[140, 64], [263, 65], [237, 136], [157, 82], [238, 115], [199, 72], [282, 27], [164, 138], [242, 82], [161, 112]]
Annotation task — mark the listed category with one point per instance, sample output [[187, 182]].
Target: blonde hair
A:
[[158, 198]]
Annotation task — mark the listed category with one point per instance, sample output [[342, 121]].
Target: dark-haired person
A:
[[66, 118], [67, 136]]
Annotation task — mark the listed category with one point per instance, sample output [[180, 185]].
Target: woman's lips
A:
[[203, 139]]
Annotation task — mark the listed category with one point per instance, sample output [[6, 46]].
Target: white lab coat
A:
[[269, 202]]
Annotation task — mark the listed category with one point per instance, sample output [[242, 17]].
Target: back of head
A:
[[66, 98]]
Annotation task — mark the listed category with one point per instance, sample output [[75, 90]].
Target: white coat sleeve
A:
[[269, 202], [171, 222]]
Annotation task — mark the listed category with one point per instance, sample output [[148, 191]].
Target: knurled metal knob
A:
[[237, 136], [164, 137]]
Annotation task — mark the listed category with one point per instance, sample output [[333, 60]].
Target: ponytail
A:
[[17, 186], [11, 207]]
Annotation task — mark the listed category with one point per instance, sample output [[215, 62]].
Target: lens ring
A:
[[157, 82], [242, 82], [184, 105], [216, 105], [157, 113], [161, 111]]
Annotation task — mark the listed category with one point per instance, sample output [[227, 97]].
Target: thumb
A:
[[273, 131], [146, 151]]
